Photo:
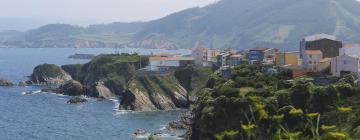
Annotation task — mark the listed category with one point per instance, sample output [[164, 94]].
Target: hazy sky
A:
[[95, 10]]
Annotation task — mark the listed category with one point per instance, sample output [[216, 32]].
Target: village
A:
[[318, 54]]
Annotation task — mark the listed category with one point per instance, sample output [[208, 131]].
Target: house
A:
[[221, 59], [212, 55], [287, 58], [229, 59], [235, 60], [200, 54], [327, 44], [262, 54], [165, 63], [313, 61], [347, 62]]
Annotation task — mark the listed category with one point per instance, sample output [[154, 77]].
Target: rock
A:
[[163, 98], [6, 83], [25, 83], [140, 132], [183, 123], [82, 56], [100, 90], [49, 74], [71, 88], [76, 100]]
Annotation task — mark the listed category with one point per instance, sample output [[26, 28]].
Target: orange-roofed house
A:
[[313, 61]]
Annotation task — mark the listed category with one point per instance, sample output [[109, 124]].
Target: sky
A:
[[94, 11]]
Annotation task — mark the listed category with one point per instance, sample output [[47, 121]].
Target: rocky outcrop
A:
[[6, 83], [76, 100], [71, 88], [154, 94], [140, 132], [183, 123], [49, 74], [114, 77]]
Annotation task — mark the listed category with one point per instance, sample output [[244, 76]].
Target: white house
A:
[[161, 63], [347, 62]]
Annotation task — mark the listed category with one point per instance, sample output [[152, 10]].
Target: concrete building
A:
[[262, 54], [221, 59], [287, 58], [313, 61], [327, 44], [347, 62], [228, 59], [200, 54], [164, 63]]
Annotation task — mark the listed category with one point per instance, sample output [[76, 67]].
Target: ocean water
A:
[[44, 116]]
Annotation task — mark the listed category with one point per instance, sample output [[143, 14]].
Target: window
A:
[[345, 62], [310, 56]]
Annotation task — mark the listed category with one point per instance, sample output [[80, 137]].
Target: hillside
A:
[[225, 24], [275, 108], [252, 23], [64, 35]]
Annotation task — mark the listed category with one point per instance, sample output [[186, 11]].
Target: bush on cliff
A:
[[303, 111]]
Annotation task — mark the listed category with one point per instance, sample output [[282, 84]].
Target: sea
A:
[[47, 116]]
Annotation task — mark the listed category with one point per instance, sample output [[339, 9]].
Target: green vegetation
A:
[[257, 105], [47, 70], [192, 78], [120, 68]]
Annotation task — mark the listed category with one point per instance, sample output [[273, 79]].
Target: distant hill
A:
[[225, 24], [64, 35], [256, 23]]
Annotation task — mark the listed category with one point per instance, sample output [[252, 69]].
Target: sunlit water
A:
[[47, 116]]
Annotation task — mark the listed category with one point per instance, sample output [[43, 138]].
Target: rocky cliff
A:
[[114, 77]]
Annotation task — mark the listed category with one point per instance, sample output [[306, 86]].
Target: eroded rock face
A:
[[100, 90], [71, 88], [49, 74], [6, 83], [141, 100]]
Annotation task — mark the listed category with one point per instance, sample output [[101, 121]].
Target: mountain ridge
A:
[[225, 24]]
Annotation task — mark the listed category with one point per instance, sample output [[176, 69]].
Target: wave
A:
[[31, 92]]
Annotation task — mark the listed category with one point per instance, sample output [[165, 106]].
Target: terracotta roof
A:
[[313, 52], [157, 58], [325, 60]]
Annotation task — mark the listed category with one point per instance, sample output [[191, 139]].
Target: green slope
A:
[[251, 23]]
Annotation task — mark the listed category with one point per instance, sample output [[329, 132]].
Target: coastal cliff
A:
[[115, 77]]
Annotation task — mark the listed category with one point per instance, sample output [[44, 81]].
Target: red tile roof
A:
[[314, 52]]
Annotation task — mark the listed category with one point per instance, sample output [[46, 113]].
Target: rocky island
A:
[[6, 83], [115, 77]]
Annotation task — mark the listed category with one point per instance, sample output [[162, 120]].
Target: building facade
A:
[[327, 44], [287, 58], [200, 55], [160, 63], [347, 62], [262, 54], [311, 59]]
